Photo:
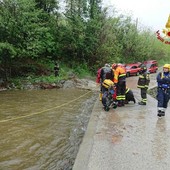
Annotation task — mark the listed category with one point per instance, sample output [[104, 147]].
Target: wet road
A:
[[42, 129], [127, 138]]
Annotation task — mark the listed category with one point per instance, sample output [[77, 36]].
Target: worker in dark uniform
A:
[[105, 73], [143, 84], [129, 96], [163, 92]]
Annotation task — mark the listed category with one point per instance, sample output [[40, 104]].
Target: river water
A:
[[42, 129]]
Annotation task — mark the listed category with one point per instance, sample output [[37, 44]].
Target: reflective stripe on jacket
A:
[[127, 90], [143, 81]]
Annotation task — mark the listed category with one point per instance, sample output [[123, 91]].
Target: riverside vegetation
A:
[[81, 35]]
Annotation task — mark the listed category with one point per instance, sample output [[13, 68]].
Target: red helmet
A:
[[114, 65]]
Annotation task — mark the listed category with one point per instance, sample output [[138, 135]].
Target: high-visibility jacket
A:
[[127, 90], [119, 74], [143, 81]]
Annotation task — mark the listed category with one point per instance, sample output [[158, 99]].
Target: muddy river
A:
[[42, 129]]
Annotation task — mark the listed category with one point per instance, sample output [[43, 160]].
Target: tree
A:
[[49, 6], [24, 30]]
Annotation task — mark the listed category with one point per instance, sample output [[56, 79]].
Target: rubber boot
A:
[[162, 113], [159, 113], [100, 96], [141, 103], [119, 104], [126, 102], [123, 102]]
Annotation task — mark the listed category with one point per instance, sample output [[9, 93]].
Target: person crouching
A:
[[129, 96]]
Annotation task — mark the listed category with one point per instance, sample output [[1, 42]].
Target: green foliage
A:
[[43, 79], [82, 37], [7, 50], [81, 70], [23, 26], [48, 6]]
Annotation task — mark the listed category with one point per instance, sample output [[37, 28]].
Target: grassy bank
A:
[[43, 73]]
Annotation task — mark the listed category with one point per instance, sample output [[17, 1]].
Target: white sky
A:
[[150, 13]]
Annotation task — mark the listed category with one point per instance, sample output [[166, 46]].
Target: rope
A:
[[36, 113]]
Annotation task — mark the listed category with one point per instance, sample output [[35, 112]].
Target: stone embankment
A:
[[71, 82]]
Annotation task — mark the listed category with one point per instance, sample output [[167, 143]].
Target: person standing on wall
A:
[[143, 84], [163, 90], [56, 69]]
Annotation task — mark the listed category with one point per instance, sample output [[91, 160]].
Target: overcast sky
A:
[[151, 13]]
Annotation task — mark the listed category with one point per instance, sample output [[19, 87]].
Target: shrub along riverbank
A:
[[42, 76]]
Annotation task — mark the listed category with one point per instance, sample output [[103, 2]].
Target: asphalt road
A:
[[127, 138]]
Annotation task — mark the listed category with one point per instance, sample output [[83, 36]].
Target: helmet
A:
[[107, 65], [114, 65], [143, 67], [166, 66]]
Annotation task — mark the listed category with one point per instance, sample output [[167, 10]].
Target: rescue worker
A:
[[129, 96], [143, 84], [105, 73], [120, 83], [163, 91]]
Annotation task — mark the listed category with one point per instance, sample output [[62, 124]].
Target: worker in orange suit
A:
[[120, 82]]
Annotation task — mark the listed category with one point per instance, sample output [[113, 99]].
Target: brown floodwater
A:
[[42, 129]]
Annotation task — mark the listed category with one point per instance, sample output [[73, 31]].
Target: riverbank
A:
[[71, 82]]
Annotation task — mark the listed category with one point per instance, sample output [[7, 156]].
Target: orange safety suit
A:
[[120, 81]]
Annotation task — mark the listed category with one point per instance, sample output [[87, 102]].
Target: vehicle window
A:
[[133, 67]]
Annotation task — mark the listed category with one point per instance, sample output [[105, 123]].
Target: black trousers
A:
[[121, 90], [143, 93]]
